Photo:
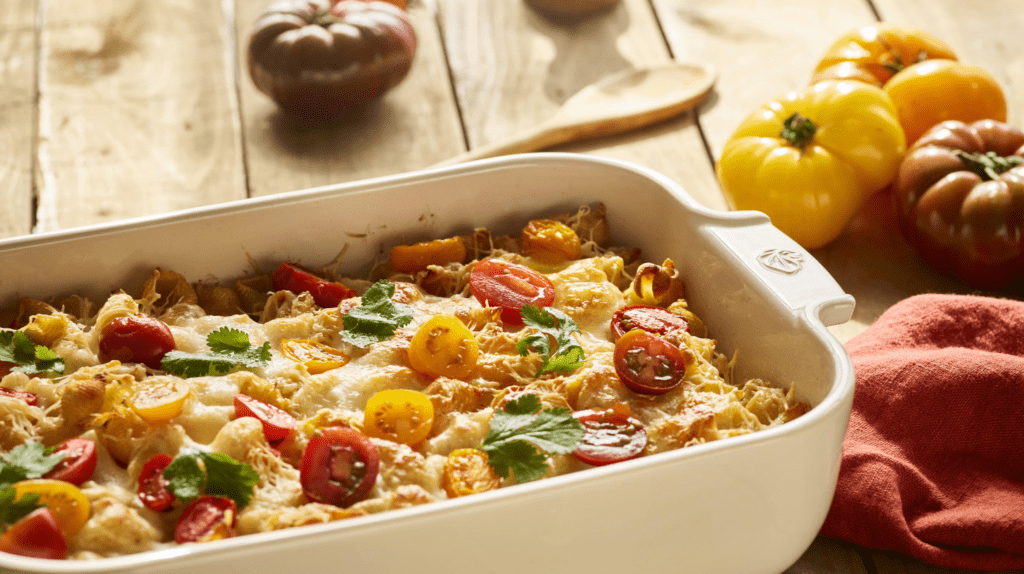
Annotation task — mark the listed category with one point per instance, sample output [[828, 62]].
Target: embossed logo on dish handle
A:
[[781, 261]]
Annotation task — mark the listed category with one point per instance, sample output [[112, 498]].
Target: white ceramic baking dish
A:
[[752, 503]]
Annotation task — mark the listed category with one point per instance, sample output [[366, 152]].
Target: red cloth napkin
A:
[[933, 459]]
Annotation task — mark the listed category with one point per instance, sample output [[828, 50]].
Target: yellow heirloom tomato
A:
[[811, 158]]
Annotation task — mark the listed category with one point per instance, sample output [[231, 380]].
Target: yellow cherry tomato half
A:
[[399, 415], [468, 471], [934, 91], [417, 257], [550, 241], [317, 357], [70, 508], [161, 401], [444, 347]]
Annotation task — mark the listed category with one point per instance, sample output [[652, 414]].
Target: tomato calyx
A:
[[988, 165], [798, 130], [153, 491]]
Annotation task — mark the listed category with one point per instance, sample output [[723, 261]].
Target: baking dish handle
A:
[[775, 260]]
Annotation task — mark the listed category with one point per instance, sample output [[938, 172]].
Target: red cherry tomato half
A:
[[288, 277], [649, 318], [29, 398], [208, 518], [277, 424], [136, 339], [499, 284], [78, 464], [647, 363], [37, 535], [153, 486], [339, 466], [609, 436]]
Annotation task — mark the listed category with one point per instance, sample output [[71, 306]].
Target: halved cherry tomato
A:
[[78, 464], [417, 257], [550, 241], [136, 339], [208, 518], [497, 283], [29, 398], [468, 471], [288, 277], [444, 347], [649, 318], [153, 486], [647, 363], [317, 357], [69, 506], [609, 436], [339, 466], [162, 401], [277, 424], [37, 535], [399, 415]]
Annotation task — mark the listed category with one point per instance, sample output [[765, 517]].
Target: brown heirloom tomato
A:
[[317, 58], [874, 53], [959, 197]]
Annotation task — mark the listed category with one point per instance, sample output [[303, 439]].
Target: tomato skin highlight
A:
[[79, 461], [153, 486], [29, 398], [610, 437], [136, 339], [37, 535], [277, 424], [655, 320], [648, 364], [208, 518], [510, 286], [288, 277], [339, 466]]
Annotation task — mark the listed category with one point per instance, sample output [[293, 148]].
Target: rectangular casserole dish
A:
[[748, 504]]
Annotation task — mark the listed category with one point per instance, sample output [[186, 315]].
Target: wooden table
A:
[[111, 109]]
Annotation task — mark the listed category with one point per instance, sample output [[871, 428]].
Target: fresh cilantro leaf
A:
[[230, 350], [521, 431], [376, 318], [29, 460], [227, 477], [193, 474], [565, 355], [12, 511], [16, 347]]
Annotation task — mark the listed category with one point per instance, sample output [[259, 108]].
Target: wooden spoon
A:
[[618, 103]]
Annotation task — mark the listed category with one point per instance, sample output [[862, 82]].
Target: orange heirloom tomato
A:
[[550, 241], [874, 53], [317, 357], [70, 508], [162, 401], [468, 471], [417, 257], [399, 415], [932, 92], [811, 158], [444, 347]]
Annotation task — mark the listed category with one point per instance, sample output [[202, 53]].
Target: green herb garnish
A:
[[31, 359], [29, 460], [229, 351], [552, 325], [12, 511], [376, 318], [520, 429], [193, 474]]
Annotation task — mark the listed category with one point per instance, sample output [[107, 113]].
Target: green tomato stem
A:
[[798, 130], [988, 165]]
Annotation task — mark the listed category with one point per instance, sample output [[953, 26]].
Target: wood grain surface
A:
[[17, 115]]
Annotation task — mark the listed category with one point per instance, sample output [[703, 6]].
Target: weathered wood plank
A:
[[137, 110], [17, 115], [514, 66], [413, 126], [828, 556]]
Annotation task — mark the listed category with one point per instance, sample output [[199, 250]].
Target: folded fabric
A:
[[933, 459]]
